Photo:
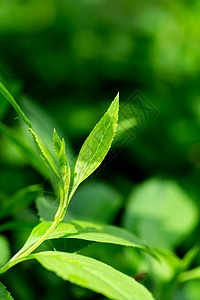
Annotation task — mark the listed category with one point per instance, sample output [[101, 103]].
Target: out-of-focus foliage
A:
[[64, 61]]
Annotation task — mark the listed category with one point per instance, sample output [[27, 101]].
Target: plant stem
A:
[[39, 242], [21, 255], [11, 264]]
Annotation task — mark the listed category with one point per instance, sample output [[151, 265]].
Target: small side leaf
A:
[[92, 274], [4, 294], [97, 145]]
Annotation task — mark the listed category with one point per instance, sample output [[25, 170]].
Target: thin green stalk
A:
[[21, 255], [10, 264], [41, 240]]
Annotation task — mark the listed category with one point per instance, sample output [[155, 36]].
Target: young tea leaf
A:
[[92, 274], [96, 145], [4, 294]]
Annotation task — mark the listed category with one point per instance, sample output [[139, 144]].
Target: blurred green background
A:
[[64, 61]]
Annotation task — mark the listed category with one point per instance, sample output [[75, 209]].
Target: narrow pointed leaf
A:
[[4, 294], [42, 149], [88, 231], [92, 274], [96, 145], [44, 153], [12, 101]]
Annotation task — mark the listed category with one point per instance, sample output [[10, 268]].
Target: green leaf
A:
[[42, 149], [12, 101], [43, 123], [4, 294], [44, 153], [94, 275], [96, 145], [87, 231]]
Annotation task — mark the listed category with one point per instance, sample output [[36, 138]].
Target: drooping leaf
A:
[[97, 145], [4, 294], [88, 231], [94, 275]]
